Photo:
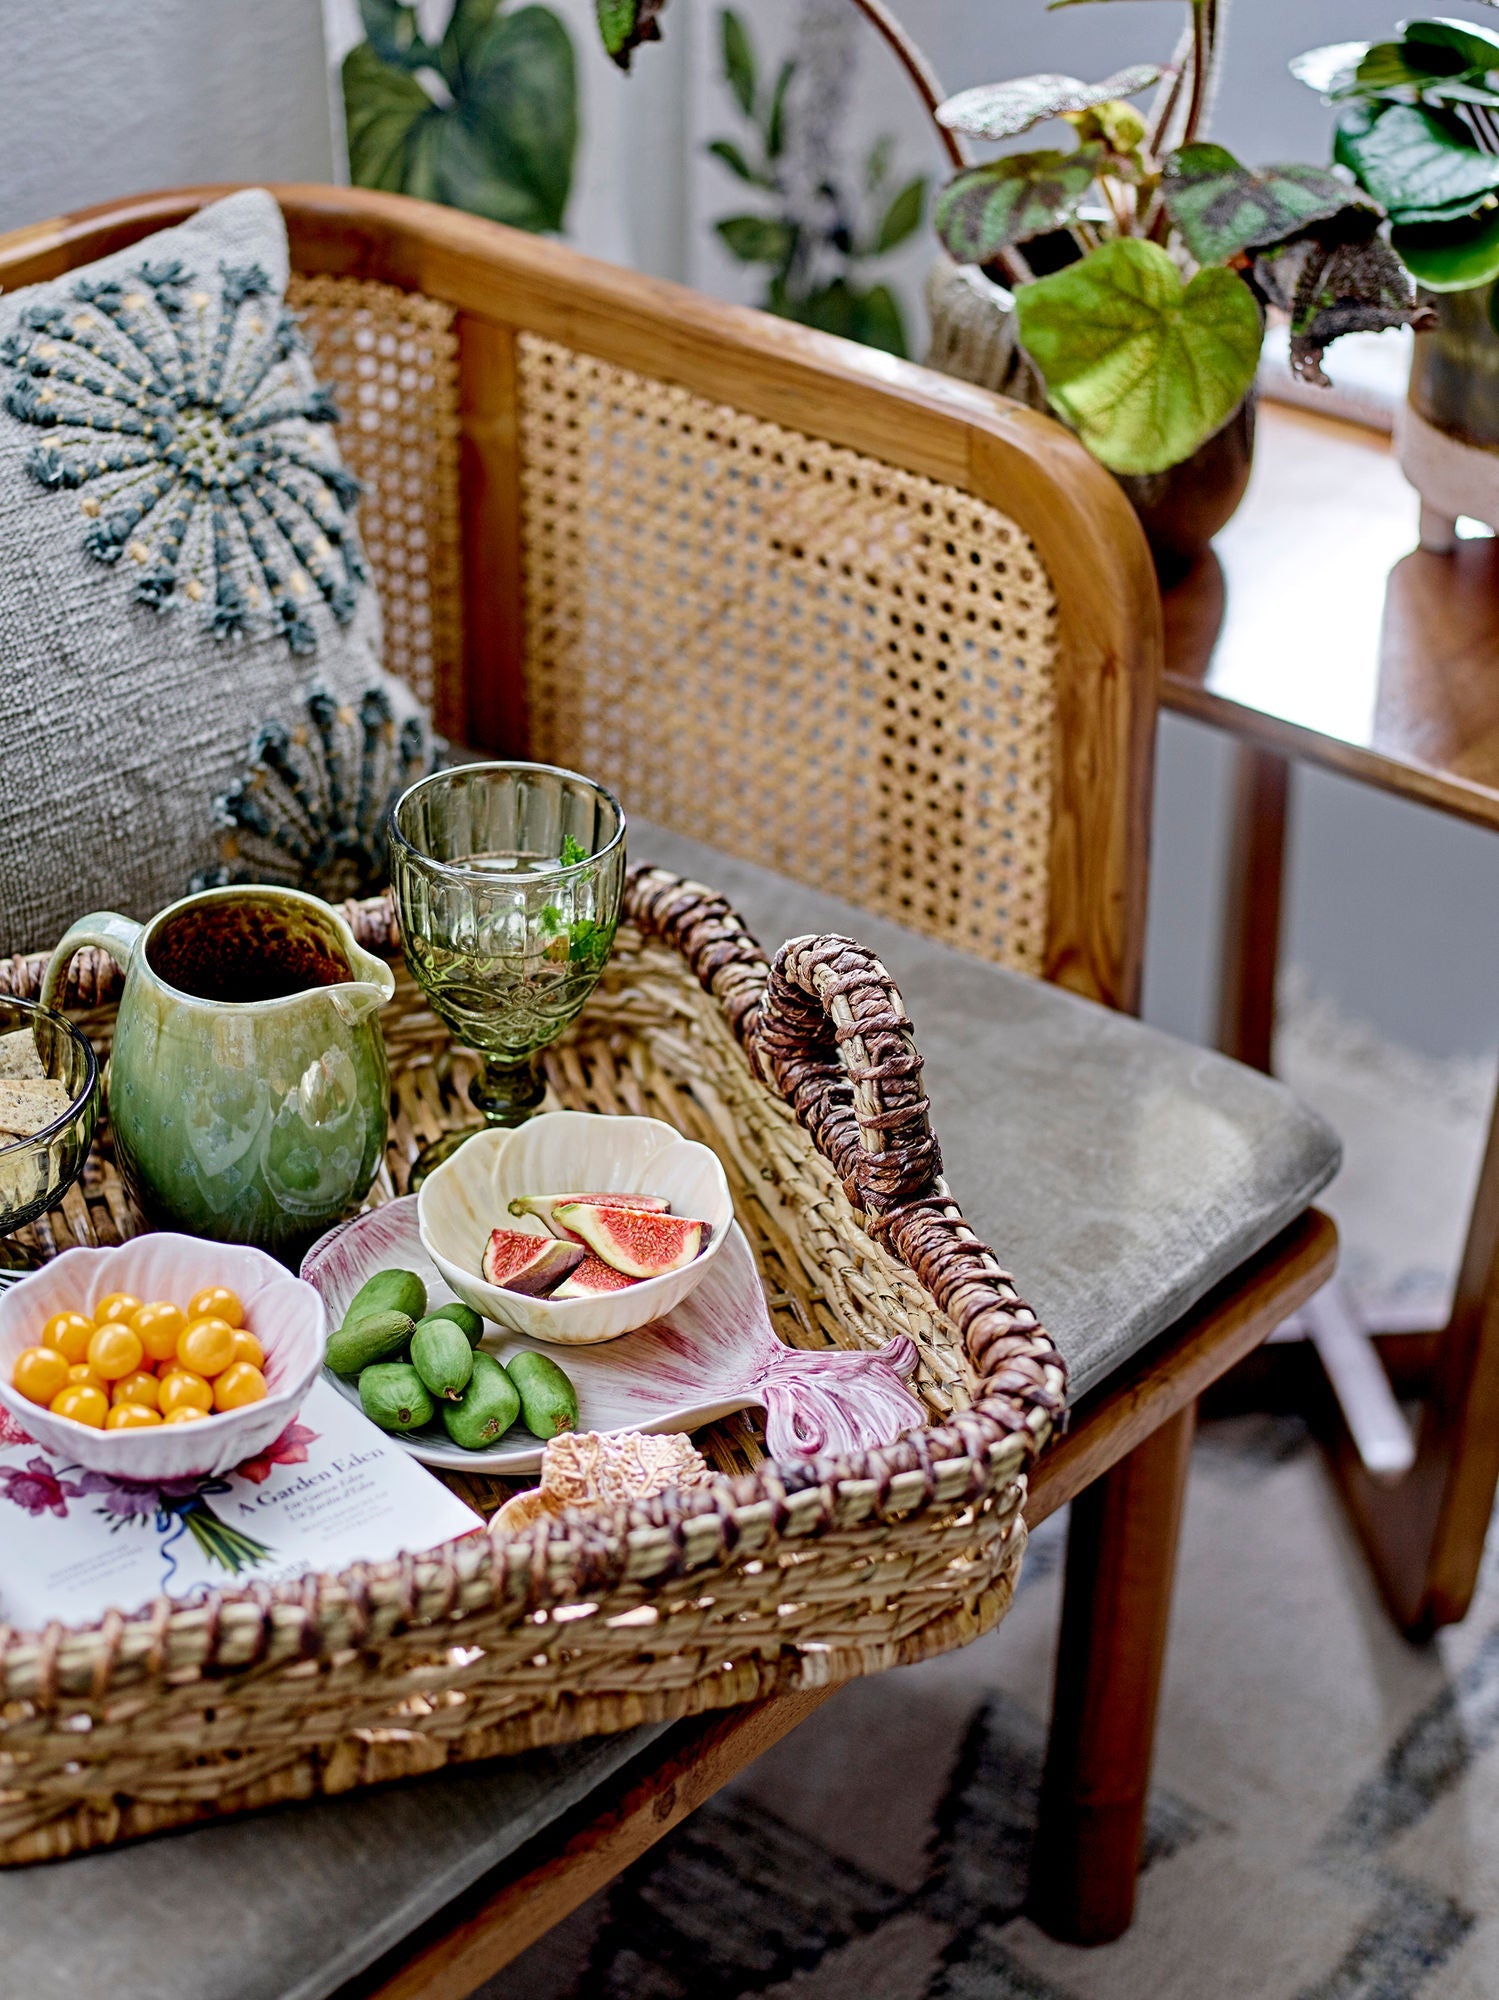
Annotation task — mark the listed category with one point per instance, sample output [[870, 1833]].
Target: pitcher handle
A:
[[106, 930]]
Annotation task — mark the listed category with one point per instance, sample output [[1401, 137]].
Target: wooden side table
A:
[[1321, 566]]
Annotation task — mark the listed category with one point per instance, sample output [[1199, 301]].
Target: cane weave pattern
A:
[[391, 359], [840, 670]]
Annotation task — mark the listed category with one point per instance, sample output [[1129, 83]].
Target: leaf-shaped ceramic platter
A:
[[663, 1378], [714, 1353]]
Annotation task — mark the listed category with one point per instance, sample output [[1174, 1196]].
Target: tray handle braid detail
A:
[[827, 1029]]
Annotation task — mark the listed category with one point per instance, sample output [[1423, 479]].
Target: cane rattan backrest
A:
[[824, 664], [800, 655], [391, 358], [880, 631]]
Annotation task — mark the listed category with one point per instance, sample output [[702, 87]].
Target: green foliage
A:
[[1331, 285], [738, 60], [902, 218], [1417, 127], [796, 255], [502, 146], [625, 24], [1005, 110], [1222, 208], [757, 239], [1013, 198], [1422, 165], [1144, 367], [1451, 256]]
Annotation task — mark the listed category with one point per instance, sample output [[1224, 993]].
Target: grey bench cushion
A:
[[1119, 1172], [285, 1905]]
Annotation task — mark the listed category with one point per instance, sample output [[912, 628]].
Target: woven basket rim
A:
[[578, 1554]]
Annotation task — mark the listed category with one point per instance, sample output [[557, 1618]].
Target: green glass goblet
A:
[[507, 881]]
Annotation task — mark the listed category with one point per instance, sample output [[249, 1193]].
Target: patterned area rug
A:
[[1325, 1822]]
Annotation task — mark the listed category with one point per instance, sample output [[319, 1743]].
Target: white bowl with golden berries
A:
[[281, 1315]]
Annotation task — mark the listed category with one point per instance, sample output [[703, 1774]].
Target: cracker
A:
[[18, 1056], [27, 1105]]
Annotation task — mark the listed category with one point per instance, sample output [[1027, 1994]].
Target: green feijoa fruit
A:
[[464, 1316], [441, 1355], [548, 1401], [377, 1337], [490, 1406], [389, 1291], [394, 1396]]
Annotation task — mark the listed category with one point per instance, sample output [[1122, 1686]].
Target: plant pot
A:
[[1447, 436], [1180, 509]]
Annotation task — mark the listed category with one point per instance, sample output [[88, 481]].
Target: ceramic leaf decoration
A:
[[714, 1353]]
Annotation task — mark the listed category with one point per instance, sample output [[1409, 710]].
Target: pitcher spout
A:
[[373, 985]]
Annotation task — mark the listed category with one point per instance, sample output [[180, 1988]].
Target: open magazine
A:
[[330, 1491]]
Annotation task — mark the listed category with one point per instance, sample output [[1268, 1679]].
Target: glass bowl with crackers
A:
[[49, 1106]]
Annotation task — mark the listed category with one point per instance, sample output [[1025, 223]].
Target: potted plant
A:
[[1418, 128], [1123, 279], [813, 233], [485, 118]]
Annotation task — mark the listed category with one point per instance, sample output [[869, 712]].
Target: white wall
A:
[[100, 98]]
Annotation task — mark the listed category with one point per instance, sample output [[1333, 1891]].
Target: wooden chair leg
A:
[[1425, 1533], [1251, 936], [1121, 1560]]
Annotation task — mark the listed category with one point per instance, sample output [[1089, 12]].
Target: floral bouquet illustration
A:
[[170, 1510]]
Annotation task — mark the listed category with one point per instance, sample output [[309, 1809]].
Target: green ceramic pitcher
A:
[[248, 1088]]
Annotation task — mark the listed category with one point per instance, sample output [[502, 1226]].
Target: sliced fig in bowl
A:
[[641, 1243], [545, 1206], [591, 1279], [521, 1262]]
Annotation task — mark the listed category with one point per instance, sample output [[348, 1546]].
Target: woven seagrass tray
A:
[[804, 1079]]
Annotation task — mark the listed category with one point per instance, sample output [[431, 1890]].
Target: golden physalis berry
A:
[[116, 1305], [248, 1348], [158, 1326], [83, 1403], [185, 1413], [70, 1333], [40, 1373], [240, 1383], [131, 1417], [141, 1388], [114, 1351], [206, 1346], [81, 1372], [216, 1302], [180, 1389]]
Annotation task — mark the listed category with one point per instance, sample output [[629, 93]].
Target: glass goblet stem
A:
[[509, 1093]]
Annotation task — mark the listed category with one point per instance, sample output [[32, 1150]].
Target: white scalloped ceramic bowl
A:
[[284, 1314], [562, 1151]]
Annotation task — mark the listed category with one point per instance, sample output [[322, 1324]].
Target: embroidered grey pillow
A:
[[190, 679]]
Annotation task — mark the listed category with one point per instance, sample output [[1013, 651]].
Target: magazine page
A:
[[330, 1491]]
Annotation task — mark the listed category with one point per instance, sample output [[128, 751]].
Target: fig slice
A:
[[545, 1207], [591, 1279], [641, 1243], [521, 1262]]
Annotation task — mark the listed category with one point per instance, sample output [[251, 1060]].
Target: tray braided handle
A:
[[827, 1029]]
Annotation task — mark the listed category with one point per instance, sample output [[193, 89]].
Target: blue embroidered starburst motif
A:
[[187, 419], [311, 807]]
